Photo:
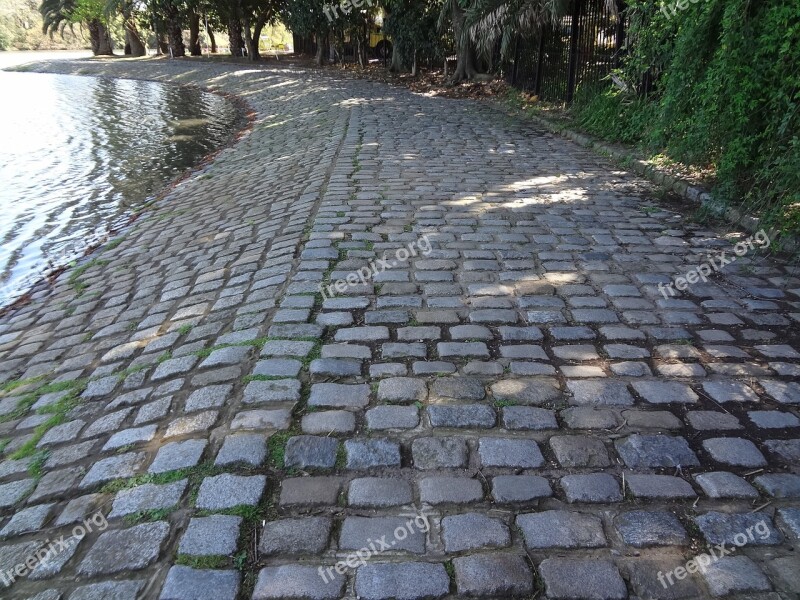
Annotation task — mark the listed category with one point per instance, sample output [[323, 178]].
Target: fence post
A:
[[537, 86], [516, 62], [572, 75], [620, 33]]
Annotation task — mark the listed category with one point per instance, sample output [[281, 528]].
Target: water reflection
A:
[[80, 153]]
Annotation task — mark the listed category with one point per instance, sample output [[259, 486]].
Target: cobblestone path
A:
[[512, 409]]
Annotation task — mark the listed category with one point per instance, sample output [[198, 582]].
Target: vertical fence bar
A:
[[516, 63], [537, 86], [573, 49]]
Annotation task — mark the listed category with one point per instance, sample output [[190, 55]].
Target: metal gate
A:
[[581, 48]]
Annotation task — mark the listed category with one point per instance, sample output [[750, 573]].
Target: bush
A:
[[614, 115], [726, 95]]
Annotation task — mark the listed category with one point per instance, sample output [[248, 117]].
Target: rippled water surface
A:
[[79, 154]]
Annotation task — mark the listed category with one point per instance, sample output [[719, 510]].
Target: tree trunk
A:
[[103, 41], [94, 35], [174, 32], [301, 44], [322, 48], [248, 40], [397, 61], [465, 53], [133, 38], [261, 22], [363, 43], [213, 41], [194, 34], [235, 36]]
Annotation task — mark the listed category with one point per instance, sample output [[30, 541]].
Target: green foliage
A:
[[21, 29], [305, 17], [87, 10], [726, 77], [412, 25], [614, 115]]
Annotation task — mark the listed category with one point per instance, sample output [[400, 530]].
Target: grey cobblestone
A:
[[124, 550], [308, 535], [496, 452], [721, 484], [735, 574], [493, 575], [561, 529], [215, 535], [566, 579], [306, 451], [402, 581], [296, 581], [438, 453], [530, 328], [185, 582], [643, 528], [379, 492]]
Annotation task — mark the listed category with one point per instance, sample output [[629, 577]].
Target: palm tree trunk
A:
[[235, 36], [194, 34], [103, 40], [133, 38], [174, 32], [465, 52], [94, 35]]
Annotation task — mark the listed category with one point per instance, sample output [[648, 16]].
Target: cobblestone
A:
[[644, 528], [561, 529], [525, 381], [566, 579], [124, 550], [402, 581], [185, 582]]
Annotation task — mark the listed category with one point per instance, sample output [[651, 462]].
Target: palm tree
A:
[[58, 14], [491, 20], [479, 24]]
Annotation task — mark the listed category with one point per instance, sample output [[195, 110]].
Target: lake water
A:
[[79, 155]]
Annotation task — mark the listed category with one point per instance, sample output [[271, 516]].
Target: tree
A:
[[490, 21], [307, 18], [58, 14], [479, 25], [412, 25], [134, 45], [257, 14], [455, 12]]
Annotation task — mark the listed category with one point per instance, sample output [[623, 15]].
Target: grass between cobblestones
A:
[[194, 474], [211, 561], [148, 516]]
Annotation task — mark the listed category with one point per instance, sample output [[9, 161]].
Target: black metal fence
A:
[[581, 48]]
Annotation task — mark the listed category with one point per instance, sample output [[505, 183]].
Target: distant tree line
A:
[[469, 30]]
